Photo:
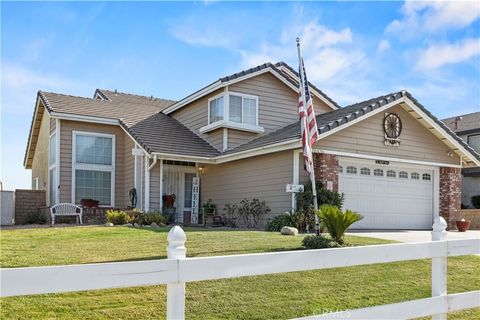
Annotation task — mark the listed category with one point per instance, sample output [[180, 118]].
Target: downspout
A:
[[148, 167]]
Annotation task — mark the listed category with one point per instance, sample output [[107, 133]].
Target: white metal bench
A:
[[66, 209]]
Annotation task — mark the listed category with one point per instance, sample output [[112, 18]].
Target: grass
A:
[[278, 296]]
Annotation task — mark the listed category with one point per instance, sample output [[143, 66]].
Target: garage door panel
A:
[[388, 202]]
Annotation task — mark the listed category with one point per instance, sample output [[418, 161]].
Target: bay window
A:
[[93, 167], [216, 109], [233, 110]]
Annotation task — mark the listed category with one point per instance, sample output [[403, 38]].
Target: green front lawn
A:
[[278, 296]]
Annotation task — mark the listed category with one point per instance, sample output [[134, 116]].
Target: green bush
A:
[[118, 217], [36, 218], [324, 196], [336, 221], [319, 242], [476, 201], [156, 217], [280, 221]]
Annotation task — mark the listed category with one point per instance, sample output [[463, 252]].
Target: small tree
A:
[[336, 221]]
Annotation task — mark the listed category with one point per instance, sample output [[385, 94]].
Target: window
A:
[[52, 170], [403, 175], [474, 142], [52, 186], [215, 110], [391, 174], [93, 167], [365, 171], [241, 109], [36, 184], [378, 172], [340, 169], [414, 176], [352, 170], [52, 150], [426, 176]]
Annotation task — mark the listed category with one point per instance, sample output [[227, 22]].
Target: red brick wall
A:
[[450, 195], [326, 169]]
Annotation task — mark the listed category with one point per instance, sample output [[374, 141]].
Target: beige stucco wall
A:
[[123, 159], [367, 137], [277, 105], [40, 158], [262, 177]]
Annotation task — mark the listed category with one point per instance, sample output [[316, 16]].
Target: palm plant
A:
[[336, 221]]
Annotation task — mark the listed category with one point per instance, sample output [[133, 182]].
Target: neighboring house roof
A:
[[277, 70], [464, 124], [340, 118], [162, 134]]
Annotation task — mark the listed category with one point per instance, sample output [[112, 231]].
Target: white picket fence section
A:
[[177, 270]]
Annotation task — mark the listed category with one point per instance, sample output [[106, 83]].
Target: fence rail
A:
[[177, 270]]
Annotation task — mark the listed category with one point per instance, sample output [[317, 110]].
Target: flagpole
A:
[[312, 171]]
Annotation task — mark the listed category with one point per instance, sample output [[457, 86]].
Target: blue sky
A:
[[353, 51]]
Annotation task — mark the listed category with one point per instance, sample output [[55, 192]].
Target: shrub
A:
[[324, 196], [280, 221], [319, 242], [249, 211], [336, 221], [118, 217], [476, 201], [156, 217], [36, 218]]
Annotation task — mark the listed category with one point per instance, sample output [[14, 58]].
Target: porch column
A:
[[450, 195], [326, 170]]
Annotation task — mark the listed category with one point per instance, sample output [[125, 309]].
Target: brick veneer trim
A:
[[450, 195], [326, 169]]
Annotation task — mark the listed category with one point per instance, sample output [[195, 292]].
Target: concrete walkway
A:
[[412, 235]]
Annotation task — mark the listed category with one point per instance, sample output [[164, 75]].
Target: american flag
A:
[[307, 118]]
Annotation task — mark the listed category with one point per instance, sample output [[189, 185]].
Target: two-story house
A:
[[239, 137], [467, 127]]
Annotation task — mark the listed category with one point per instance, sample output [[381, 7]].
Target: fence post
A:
[[176, 291], [439, 265]]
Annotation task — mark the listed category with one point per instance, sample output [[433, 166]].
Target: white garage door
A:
[[388, 196]]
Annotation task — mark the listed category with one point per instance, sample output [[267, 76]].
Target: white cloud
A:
[[20, 85], [432, 16], [438, 55], [383, 45]]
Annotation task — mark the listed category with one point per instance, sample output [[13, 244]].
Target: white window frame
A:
[[93, 167], [55, 166], [36, 183], [225, 122]]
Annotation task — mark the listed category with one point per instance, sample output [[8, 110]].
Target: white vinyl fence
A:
[[7, 208], [177, 270]]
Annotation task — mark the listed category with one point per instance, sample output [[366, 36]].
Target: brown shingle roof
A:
[[138, 115], [129, 108], [161, 133]]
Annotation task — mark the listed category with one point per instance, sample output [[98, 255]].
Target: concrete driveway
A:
[[412, 235]]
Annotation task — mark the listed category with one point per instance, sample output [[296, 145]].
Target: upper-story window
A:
[[215, 109], [243, 109], [474, 142], [233, 110]]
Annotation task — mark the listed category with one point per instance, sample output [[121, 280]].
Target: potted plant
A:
[[89, 203], [463, 225]]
